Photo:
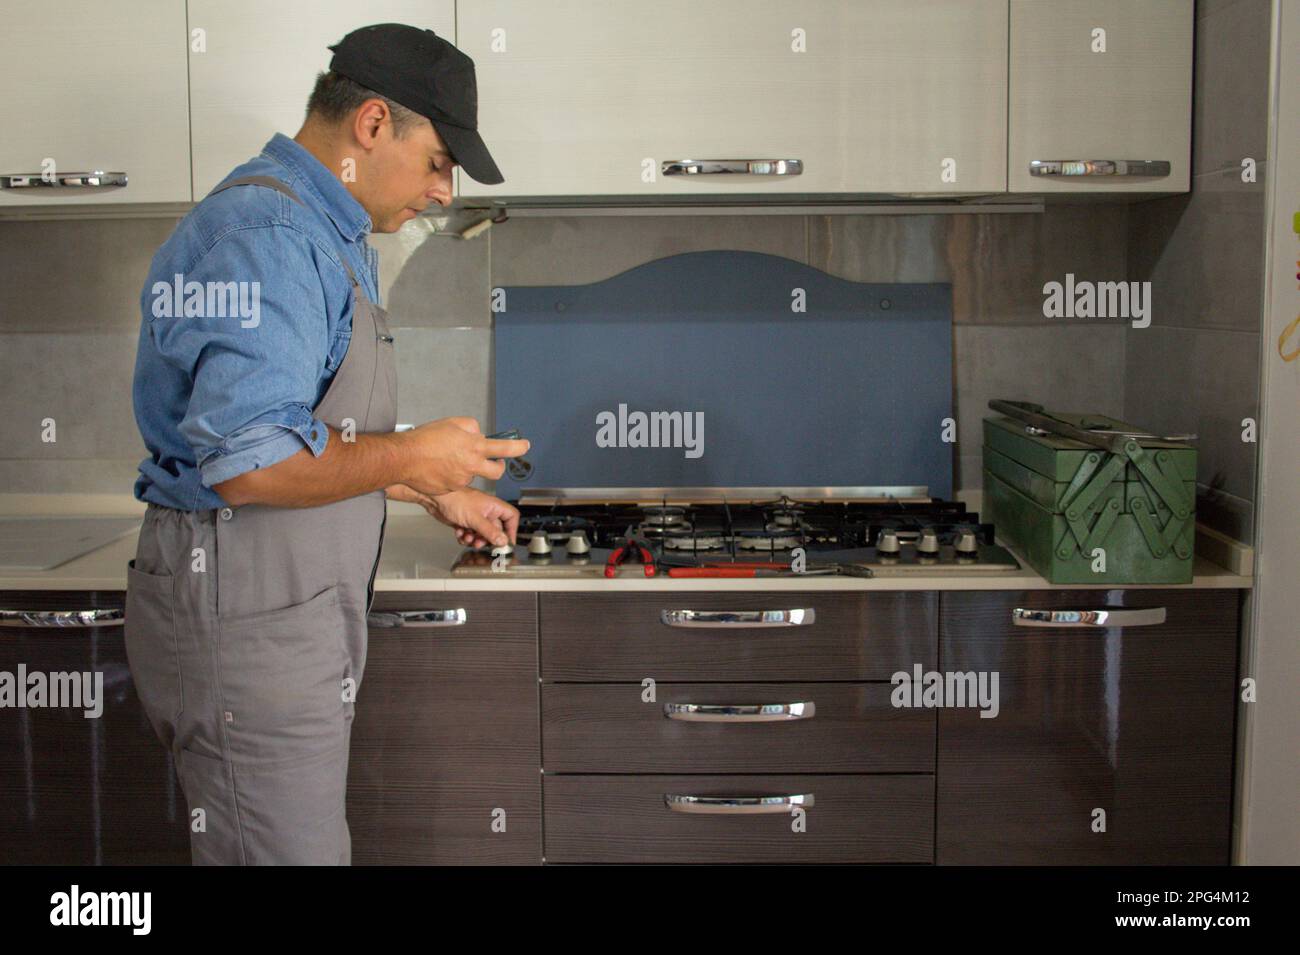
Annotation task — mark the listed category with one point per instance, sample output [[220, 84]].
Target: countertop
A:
[[418, 554]]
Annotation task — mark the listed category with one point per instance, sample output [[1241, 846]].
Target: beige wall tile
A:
[[69, 475], [442, 373], [433, 280], [76, 276], [1000, 263], [1203, 253], [880, 248], [583, 249], [1230, 87], [1075, 368], [82, 381], [1203, 381]]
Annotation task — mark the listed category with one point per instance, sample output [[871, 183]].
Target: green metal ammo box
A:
[[1087, 513]]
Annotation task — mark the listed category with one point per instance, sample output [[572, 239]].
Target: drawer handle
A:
[[738, 805], [1095, 168], [741, 167], [798, 617], [62, 618], [740, 712], [63, 180], [1088, 618], [417, 619]]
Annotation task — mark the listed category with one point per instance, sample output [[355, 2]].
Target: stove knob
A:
[[887, 542], [966, 542], [928, 542], [578, 543], [539, 544]]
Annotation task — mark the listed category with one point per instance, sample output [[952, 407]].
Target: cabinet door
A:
[[446, 752], [1135, 721], [261, 62], [93, 86], [1069, 100], [585, 99], [77, 790]]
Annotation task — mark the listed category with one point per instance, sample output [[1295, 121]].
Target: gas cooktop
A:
[[717, 532]]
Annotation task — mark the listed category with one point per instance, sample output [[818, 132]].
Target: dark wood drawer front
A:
[[624, 819], [78, 791], [606, 728], [445, 747], [1135, 720], [621, 637]]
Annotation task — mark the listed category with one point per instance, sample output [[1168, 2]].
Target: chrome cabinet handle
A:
[[1088, 618], [738, 618], [63, 180], [739, 167], [1098, 167], [737, 805], [740, 712], [417, 619], [62, 618]]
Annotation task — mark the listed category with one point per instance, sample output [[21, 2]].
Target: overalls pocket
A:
[[282, 674], [149, 633]]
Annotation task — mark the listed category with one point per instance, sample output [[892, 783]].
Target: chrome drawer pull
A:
[[417, 618], [738, 618], [1088, 618], [62, 618], [63, 180], [739, 713], [738, 805], [1095, 168], [739, 167]]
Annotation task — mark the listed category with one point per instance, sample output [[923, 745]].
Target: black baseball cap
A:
[[426, 74]]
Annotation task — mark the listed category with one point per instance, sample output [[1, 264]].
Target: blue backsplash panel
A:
[[851, 392]]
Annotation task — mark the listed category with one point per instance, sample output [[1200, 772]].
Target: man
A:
[[265, 392]]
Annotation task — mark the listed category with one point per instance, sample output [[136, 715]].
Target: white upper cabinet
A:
[[260, 63], [93, 86], [1100, 81], [579, 98], [671, 101]]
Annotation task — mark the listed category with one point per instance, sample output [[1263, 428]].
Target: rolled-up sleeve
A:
[[267, 440], [257, 360]]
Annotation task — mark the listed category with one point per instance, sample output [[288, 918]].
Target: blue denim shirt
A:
[[227, 375]]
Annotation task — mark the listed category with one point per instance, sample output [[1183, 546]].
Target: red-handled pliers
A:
[[624, 551]]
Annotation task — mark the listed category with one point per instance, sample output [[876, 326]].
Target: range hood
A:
[[501, 207]]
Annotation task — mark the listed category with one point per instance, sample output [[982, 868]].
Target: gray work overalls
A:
[[246, 637]]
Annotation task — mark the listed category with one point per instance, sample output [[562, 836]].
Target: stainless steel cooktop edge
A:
[[695, 495]]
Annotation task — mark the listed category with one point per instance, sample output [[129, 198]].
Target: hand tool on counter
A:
[[741, 569], [631, 546]]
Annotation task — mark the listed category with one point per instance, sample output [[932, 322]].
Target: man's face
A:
[[402, 176]]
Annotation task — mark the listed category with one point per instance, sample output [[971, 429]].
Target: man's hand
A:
[[479, 519], [446, 455], [433, 459]]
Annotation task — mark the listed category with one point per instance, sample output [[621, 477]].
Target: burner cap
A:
[[762, 540], [663, 516], [782, 517], [694, 542], [658, 521]]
